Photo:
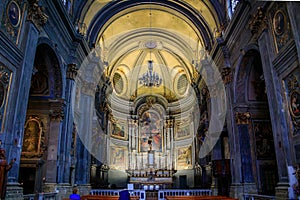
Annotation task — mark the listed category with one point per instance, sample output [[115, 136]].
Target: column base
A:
[[49, 187], [64, 190], [84, 189], [14, 191], [237, 190], [282, 191]]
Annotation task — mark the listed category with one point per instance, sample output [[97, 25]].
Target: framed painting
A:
[[119, 130], [293, 100], [118, 157], [34, 138], [150, 132], [5, 80], [182, 131], [184, 157], [280, 24], [264, 140]]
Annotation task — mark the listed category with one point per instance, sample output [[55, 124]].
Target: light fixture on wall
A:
[[150, 78]]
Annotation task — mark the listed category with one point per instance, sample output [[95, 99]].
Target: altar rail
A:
[[133, 193], [257, 197], [163, 193], [43, 196]]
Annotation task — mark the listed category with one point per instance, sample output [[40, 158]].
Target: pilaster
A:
[[277, 116], [56, 116], [65, 159], [23, 74]]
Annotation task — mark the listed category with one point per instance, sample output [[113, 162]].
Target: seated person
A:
[[74, 196]]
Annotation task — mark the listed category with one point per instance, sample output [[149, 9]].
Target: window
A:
[[231, 7]]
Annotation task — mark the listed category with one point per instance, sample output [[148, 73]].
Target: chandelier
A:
[[150, 78]]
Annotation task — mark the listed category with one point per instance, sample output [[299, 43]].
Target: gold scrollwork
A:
[[34, 138], [242, 118]]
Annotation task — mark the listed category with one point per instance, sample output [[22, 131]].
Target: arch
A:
[[239, 82], [113, 8], [47, 74]]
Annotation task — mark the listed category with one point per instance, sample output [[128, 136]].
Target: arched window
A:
[[231, 4]]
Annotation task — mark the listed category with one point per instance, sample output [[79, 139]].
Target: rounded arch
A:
[[115, 7], [241, 72], [47, 74]]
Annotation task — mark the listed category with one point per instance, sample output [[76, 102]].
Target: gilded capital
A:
[[258, 21], [226, 75], [36, 13], [242, 118], [72, 71], [169, 123]]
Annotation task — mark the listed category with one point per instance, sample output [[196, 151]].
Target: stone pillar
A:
[[56, 117], [277, 116], [67, 128], [247, 178], [235, 161], [35, 19], [84, 141]]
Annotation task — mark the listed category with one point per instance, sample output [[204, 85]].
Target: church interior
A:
[[154, 96]]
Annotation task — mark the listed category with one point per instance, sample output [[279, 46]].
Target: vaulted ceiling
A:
[[173, 34]]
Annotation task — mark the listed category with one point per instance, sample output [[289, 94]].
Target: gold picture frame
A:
[[184, 157], [34, 138], [119, 130], [182, 131], [118, 157]]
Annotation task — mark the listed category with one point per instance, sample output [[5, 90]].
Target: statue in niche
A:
[[4, 168], [31, 136]]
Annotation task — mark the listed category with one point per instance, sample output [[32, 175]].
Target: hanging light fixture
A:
[[150, 78]]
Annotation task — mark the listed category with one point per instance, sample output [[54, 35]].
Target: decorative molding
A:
[[5, 77], [56, 109], [281, 28], [34, 144], [258, 22], [72, 71], [36, 13], [293, 87], [242, 118], [226, 75], [13, 17], [169, 123]]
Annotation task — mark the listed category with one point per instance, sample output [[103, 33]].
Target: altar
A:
[[151, 177]]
